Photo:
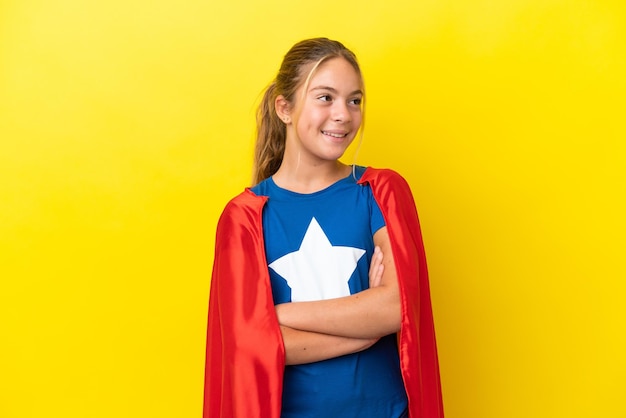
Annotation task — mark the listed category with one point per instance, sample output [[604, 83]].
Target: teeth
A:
[[334, 135]]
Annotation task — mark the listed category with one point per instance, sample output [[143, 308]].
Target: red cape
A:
[[245, 357]]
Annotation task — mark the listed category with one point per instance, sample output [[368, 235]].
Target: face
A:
[[327, 116]]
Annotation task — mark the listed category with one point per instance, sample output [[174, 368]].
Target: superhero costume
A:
[[245, 356]]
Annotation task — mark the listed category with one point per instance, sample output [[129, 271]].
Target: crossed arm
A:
[[319, 330]]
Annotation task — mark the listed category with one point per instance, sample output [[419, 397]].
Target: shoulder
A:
[[383, 177], [388, 186], [263, 188], [241, 207], [245, 200]]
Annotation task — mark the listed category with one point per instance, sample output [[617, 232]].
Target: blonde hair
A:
[[271, 131]]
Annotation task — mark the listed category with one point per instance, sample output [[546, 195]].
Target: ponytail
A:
[[271, 136]]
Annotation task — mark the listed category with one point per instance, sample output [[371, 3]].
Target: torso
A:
[[337, 224]]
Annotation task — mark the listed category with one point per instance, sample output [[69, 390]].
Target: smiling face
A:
[[326, 114]]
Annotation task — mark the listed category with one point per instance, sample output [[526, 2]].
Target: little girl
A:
[[319, 303]]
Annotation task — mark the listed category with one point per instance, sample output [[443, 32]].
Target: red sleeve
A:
[[417, 346], [244, 351]]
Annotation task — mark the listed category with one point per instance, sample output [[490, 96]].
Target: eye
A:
[[325, 98], [357, 101]]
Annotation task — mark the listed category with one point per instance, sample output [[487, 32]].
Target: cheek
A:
[[313, 119], [358, 118]]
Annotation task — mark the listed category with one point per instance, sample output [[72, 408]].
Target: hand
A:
[[376, 268]]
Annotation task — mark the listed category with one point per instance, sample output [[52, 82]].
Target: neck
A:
[[303, 178]]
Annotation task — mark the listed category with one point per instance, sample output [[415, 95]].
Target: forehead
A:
[[336, 73]]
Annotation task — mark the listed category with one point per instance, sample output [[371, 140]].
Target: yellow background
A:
[[125, 126]]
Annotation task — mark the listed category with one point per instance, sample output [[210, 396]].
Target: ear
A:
[[283, 109]]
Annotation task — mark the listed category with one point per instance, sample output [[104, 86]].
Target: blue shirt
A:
[[319, 246]]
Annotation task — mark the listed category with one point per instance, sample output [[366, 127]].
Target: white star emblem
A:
[[318, 270]]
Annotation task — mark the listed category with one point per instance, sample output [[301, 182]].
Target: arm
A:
[[372, 313], [307, 347]]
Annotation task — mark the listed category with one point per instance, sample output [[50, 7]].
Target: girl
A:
[[319, 303]]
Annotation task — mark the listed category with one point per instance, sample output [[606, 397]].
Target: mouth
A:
[[338, 135]]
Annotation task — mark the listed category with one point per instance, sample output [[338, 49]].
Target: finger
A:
[[376, 268], [376, 260], [377, 279]]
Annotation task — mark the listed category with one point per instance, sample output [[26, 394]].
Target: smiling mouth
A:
[[335, 135]]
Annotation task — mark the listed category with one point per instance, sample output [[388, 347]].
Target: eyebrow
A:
[[334, 90]]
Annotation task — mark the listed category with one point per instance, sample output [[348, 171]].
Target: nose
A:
[[341, 113]]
